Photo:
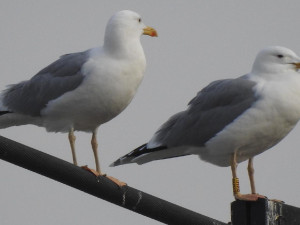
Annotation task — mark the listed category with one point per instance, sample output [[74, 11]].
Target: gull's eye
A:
[[280, 56], [140, 20]]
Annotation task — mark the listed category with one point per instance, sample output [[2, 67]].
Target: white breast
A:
[[107, 89], [262, 126]]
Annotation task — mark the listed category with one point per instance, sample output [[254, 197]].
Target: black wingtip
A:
[[115, 163], [134, 154], [128, 157]]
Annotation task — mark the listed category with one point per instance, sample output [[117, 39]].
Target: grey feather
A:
[[31, 96], [214, 107]]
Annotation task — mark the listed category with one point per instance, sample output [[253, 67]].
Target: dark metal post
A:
[[264, 212]]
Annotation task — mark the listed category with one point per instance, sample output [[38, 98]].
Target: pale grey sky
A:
[[199, 41]]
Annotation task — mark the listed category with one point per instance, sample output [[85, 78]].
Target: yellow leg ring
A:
[[236, 185]]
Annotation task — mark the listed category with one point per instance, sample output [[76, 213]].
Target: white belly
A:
[[101, 96], [259, 128]]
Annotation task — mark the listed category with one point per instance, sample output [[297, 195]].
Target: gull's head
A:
[[126, 25], [276, 59]]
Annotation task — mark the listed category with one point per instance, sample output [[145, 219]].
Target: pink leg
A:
[[235, 182], [72, 139]]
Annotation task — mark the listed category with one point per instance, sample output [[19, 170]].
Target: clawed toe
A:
[[248, 197], [97, 174]]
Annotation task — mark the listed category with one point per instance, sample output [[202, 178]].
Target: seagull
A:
[[233, 120], [80, 91]]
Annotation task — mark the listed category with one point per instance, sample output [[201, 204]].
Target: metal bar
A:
[[101, 187]]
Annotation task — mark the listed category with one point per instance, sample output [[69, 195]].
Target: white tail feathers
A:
[[14, 119]]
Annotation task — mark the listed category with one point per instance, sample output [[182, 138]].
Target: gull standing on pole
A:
[[233, 120], [83, 90]]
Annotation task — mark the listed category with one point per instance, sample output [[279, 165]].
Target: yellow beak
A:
[[150, 31], [297, 65]]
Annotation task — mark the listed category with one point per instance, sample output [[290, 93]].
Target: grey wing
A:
[[30, 97], [208, 113]]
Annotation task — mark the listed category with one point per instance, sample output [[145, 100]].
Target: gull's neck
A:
[[122, 46]]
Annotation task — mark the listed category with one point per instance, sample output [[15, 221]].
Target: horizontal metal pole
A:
[[101, 187]]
